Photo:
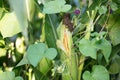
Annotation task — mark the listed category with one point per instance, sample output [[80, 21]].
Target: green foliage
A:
[[9, 25], [114, 28], [1, 12], [45, 65], [39, 75], [90, 47], [102, 10], [113, 6], [9, 76], [20, 11], [18, 78], [87, 48], [115, 65], [98, 73], [50, 53], [56, 6], [50, 30], [105, 48], [36, 41], [36, 52]]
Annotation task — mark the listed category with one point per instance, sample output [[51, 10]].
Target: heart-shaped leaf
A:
[[90, 47], [35, 53], [98, 73], [87, 48]]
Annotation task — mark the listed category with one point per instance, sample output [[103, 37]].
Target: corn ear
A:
[[65, 44]]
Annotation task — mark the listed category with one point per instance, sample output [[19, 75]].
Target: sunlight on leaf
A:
[[9, 25], [2, 52]]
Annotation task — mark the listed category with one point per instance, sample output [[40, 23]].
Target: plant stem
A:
[[106, 20], [81, 66], [30, 73], [82, 57]]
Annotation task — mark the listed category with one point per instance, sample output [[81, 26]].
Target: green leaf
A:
[[1, 12], [45, 65], [114, 68], [39, 75], [50, 30], [18, 78], [87, 48], [102, 10], [115, 51], [35, 53], [87, 75], [90, 48], [65, 8], [115, 65], [30, 9], [50, 53], [20, 11], [56, 6], [98, 73], [2, 52], [113, 6], [23, 61], [43, 1], [9, 25], [105, 47], [7, 75], [113, 27]]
